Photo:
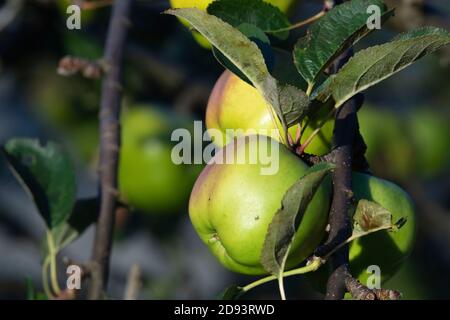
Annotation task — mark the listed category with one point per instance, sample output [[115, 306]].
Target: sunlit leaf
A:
[[332, 34], [370, 66]]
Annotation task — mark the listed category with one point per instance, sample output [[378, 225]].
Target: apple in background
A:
[[148, 178], [412, 145], [389, 148], [430, 133]]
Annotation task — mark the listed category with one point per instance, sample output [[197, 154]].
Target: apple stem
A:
[[304, 145], [308, 141], [309, 89], [281, 288], [52, 261], [45, 283]]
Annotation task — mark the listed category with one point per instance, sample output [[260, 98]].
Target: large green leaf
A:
[[371, 66], [257, 12], [335, 32], [247, 57], [242, 52], [281, 231], [47, 173]]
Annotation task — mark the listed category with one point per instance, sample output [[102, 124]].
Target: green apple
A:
[[389, 148], [413, 145], [232, 205], [411, 282], [148, 178], [388, 250], [429, 133], [234, 104], [283, 5], [68, 105]]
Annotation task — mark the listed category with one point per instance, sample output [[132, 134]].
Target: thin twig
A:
[[109, 146], [133, 283], [301, 23], [359, 291]]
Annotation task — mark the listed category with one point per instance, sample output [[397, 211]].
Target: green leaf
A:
[[323, 92], [244, 54], [233, 292], [294, 103], [257, 36], [83, 215], [371, 66], [284, 70], [332, 34], [47, 173], [264, 15], [281, 231], [419, 32]]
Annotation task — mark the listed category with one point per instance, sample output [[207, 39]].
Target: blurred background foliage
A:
[[167, 80]]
